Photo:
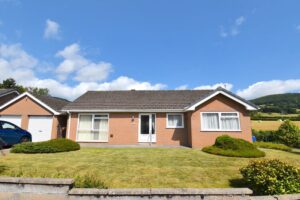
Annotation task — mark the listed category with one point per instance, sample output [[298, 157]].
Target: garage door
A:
[[40, 128], [15, 119]]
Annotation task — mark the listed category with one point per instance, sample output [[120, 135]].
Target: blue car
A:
[[11, 134]]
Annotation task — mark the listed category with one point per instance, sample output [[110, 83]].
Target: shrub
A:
[[228, 146], [269, 177], [51, 146], [264, 136], [288, 133], [270, 145]]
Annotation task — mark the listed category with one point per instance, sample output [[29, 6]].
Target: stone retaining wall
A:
[[62, 189]]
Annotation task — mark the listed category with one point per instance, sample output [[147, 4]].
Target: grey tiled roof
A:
[[137, 99], [5, 91], [53, 102]]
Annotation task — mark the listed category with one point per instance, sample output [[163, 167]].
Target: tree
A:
[[10, 83], [289, 134], [38, 91]]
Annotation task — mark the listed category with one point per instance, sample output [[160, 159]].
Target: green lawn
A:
[[136, 167]]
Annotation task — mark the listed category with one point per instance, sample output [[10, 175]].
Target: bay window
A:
[[220, 121], [175, 120], [93, 127]]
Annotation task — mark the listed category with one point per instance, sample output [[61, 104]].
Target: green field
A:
[[268, 125], [136, 167]]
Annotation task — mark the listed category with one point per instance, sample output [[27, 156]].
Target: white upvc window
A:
[[92, 128], [175, 120], [220, 121]]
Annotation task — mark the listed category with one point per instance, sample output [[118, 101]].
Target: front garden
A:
[[136, 167]]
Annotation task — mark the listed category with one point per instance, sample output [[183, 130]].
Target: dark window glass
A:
[[145, 124]]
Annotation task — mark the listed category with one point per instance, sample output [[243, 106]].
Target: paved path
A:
[[5, 151]]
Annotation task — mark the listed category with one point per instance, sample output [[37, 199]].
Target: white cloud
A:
[[227, 86], [240, 20], [270, 87], [234, 29], [72, 60], [126, 83], [14, 57], [182, 87], [82, 68], [52, 30], [18, 64], [94, 72], [59, 89], [298, 28], [223, 33]]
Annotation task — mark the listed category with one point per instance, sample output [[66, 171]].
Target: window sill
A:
[[221, 130], [169, 127]]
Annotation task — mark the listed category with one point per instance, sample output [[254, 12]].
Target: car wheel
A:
[[24, 139]]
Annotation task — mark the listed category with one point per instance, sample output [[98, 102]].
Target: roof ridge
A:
[[148, 90]]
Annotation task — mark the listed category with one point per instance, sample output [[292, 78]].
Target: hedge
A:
[[232, 147], [51, 146], [264, 136]]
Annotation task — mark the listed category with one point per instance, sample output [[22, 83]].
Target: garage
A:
[[14, 119], [39, 115], [40, 127]]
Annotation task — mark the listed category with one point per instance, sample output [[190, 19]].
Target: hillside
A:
[[288, 103]]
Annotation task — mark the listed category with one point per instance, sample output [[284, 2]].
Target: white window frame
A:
[[220, 122], [93, 117], [182, 118]]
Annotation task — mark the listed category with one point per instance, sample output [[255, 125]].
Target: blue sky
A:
[[251, 47]]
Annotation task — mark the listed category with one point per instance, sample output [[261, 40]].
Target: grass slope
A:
[[129, 167], [287, 99], [270, 145]]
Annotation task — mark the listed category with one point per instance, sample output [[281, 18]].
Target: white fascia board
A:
[[247, 106], [32, 97]]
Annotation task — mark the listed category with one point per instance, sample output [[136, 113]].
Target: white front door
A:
[[14, 119], [147, 128], [40, 128]]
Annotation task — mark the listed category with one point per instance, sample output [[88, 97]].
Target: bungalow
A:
[[40, 115], [193, 118]]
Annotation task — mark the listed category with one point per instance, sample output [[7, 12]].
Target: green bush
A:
[[232, 147], [51, 146], [270, 145], [289, 134], [269, 177]]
